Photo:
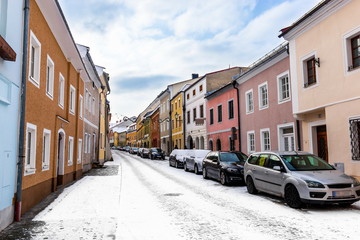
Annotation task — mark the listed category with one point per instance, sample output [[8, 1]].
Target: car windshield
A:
[[305, 163], [232, 157], [135, 148], [156, 150]]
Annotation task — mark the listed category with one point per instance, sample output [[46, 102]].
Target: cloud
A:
[[147, 44]]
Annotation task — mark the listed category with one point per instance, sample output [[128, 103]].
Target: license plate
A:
[[344, 193]]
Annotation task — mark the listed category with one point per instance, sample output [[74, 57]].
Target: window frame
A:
[[46, 149], [231, 111], [50, 75], [247, 93], [194, 114], [349, 65], [30, 161], [34, 60], [201, 110], [279, 78], [72, 99], [354, 139], [3, 17], [260, 96], [249, 144], [211, 116], [263, 144], [81, 106], [70, 151], [61, 99], [219, 113], [304, 61]]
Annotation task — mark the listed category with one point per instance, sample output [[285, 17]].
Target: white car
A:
[[193, 161], [177, 157]]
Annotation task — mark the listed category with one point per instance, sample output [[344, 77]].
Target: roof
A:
[[304, 17]]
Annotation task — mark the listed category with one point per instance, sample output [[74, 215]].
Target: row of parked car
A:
[[152, 153], [298, 177]]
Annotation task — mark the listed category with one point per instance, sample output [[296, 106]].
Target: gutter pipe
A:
[[21, 156], [234, 84]]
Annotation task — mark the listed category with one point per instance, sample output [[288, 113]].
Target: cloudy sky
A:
[[147, 44]]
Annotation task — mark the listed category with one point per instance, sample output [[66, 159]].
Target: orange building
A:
[[54, 105]]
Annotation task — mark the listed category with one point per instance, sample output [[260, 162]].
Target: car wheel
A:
[[205, 176], [185, 167], [250, 186], [223, 178], [292, 197], [151, 157], [196, 169], [170, 163]]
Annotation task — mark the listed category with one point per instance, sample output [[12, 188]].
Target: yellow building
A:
[[131, 136], [177, 130], [325, 72]]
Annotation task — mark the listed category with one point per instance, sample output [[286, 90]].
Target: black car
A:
[[156, 153], [145, 152], [134, 150], [225, 167]]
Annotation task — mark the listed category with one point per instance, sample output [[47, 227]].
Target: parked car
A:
[[177, 156], [139, 151], [157, 153], [145, 152], [134, 150], [299, 177], [193, 161], [225, 167], [127, 148]]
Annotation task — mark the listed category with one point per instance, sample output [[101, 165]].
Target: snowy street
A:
[[135, 198]]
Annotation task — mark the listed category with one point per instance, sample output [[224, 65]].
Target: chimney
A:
[[194, 75]]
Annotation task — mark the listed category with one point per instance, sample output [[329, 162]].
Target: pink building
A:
[[222, 123], [266, 120]]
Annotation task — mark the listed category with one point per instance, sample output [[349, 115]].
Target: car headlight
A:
[[232, 170], [356, 182], [314, 184]]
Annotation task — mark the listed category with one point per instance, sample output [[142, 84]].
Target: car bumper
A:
[[331, 195]]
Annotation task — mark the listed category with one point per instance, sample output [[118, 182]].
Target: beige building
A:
[[325, 73]]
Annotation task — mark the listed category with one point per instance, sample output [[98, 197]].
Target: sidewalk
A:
[[28, 228]]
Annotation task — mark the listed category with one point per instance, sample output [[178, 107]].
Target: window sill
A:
[[29, 171], [34, 81]]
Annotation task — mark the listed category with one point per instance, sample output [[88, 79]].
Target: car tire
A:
[[223, 178], [250, 186], [185, 167], [196, 170], [292, 197], [151, 157], [204, 173]]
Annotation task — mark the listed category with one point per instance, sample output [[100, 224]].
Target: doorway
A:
[[322, 147], [60, 159]]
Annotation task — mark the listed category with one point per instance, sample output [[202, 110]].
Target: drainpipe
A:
[[21, 156], [298, 132], [234, 84]]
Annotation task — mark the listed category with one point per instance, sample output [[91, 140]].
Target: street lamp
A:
[[167, 119], [177, 117], [128, 119]]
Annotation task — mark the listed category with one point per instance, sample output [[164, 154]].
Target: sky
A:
[[145, 45]]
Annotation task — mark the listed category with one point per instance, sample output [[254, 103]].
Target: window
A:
[[194, 92], [263, 96], [194, 114], [249, 101], [34, 61], [187, 96], [200, 88], [211, 116], [70, 151], [188, 117], [5, 90], [231, 109], [218, 145], [50, 77], [265, 139], [355, 139], [61, 90], [309, 63], [30, 154], [211, 145], [355, 51], [219, 108], [93, 106], [251, 141], [201, 111], [46, 149], [72, 100], [81, 106], [283, 88]]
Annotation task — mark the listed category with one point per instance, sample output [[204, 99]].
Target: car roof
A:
[[283, 153]]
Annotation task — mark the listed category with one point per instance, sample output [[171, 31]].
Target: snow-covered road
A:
[[149, 200]]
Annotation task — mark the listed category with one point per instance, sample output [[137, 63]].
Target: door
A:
[[274, 178], [322, 142]]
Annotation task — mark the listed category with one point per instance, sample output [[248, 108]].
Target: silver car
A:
[[299, 177], [193, 161]]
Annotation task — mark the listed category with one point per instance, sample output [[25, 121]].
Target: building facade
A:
[[325, 81], [266, 119], [53, 121], [155, 128], [223, 119], [11, 47]]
